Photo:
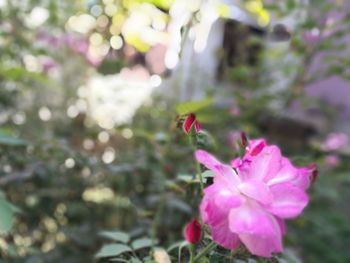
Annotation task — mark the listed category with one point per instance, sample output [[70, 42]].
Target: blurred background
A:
[[91, 93]]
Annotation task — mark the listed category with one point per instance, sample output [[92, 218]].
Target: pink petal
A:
[[228, 175], [223, 236], [303, 178], [252, 219], [287, 173], [265, 165], [258, 230], [262, 246], [226, 200], [216, 204], [207, 160], [282, 225], [235, 163], [256, 190], [289, 200], [255, 146], [214, 210]]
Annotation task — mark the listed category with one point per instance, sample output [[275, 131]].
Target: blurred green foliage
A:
[[60, 202]]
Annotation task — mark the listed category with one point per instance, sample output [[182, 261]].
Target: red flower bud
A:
[[193, 232], [190, 121], [314, 172], [244, 140]]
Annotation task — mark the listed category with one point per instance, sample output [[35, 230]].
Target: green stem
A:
[[205, 251], [198, 168], [191, 249], [199, 175]]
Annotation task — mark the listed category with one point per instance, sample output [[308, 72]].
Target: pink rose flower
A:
[[249, 201], [335, 141], [332, 160]]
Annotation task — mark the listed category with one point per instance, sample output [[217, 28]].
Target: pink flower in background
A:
[[235, 111], [332, 160], [79, 45], [249, 202], [48, 64], [335, 141], [312, 37]]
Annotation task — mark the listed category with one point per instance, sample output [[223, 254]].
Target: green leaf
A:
[[186, 178], [207, 174], [7, 211], [176, 245], [18, 74], [112, 250], [193, 106], [6, 139], [179, 205], [116, 236], [134, 260], [141, 243]]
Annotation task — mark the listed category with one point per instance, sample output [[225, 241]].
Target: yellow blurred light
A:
[[81, 23], [96, 39], [72, 111], [45, 114], [127, 133], [114, 30], [137, 42], [109, 155], [61, 208], [159, 23], [88, 144], [116, 42], [61, 237], [223, 10], [69, 163], [111, 9], [263, 18], [50, 224], [256, 7], [102, 21], [48, 245], [98, 194], [118, 19], [129, 4], [103, 137], [3, 244]]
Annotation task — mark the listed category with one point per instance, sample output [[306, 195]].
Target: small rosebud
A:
[[314, 172], [190, 121], [244, 140], [193, 232]]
